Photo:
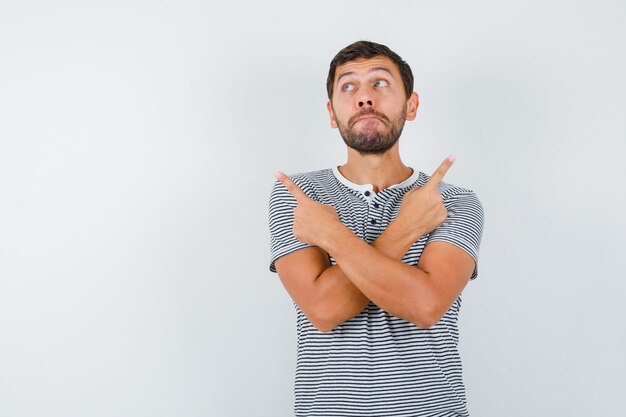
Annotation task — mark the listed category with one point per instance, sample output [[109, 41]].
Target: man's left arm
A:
[[419, 294], [424, 293]]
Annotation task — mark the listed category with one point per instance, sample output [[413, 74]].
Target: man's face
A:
[[369, 104]]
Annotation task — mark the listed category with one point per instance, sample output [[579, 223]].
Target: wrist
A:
[[401, 232], [337, 237]]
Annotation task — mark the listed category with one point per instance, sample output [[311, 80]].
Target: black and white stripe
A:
[[376, 364]]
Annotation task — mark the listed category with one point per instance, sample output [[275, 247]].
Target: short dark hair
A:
[[367, 49]]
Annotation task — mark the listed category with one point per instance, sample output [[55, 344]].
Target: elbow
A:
[[424, 323], [427, 318], [323, 327], [322, 322]]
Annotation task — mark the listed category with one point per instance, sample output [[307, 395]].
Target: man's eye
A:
[[347, 88], [381, 83]]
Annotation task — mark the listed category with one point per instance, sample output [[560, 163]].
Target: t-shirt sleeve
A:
[[282, 239], [464, 225]]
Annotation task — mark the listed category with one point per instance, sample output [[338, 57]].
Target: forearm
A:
[[376, 271], [338, 298]]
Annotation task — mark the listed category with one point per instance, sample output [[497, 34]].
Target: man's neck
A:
[[382, 171]]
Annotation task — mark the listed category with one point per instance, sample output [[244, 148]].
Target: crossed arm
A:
[[330, 295]]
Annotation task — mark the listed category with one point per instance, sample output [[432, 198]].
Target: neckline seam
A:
[[415, 176]]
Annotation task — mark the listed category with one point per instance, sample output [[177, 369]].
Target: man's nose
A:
[[365, 98]]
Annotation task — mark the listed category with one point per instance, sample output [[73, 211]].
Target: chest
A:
[[368, 216]]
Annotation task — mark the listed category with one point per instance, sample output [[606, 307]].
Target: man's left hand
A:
[[313, 221]]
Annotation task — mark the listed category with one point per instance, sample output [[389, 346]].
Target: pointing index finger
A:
[[440, 172], [291, 186]]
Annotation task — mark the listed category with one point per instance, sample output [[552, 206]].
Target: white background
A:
[[138, 141]]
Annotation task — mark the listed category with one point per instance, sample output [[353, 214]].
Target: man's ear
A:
[[411, 106], [331, 113]]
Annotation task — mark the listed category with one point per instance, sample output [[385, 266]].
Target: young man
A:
[[375, 256]]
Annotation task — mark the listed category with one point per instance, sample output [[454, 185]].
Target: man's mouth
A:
[[369, 116]]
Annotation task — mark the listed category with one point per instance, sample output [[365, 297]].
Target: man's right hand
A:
[[422, 209]]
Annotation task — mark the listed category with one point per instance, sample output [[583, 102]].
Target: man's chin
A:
[[375, 151], [369, 145], [369, 131]]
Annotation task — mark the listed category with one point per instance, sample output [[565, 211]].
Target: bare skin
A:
[[329, 295]]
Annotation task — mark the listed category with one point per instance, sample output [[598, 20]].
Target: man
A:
[[375, 256]]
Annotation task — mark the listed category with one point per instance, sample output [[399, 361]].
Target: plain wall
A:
[[138, 142]]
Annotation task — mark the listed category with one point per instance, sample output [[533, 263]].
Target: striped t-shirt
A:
[[376, 364]]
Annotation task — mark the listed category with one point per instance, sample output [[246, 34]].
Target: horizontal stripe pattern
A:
[[376, 364]]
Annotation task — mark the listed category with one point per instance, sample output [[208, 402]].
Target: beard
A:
[[369, 140]]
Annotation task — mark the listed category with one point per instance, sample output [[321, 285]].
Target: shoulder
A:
[[312, 183], [315, 179], [447, 190], [460, 199], [464, 224]]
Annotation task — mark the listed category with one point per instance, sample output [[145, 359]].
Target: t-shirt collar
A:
[[369, 187]]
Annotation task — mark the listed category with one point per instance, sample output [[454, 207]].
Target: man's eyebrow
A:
[[370, 71]]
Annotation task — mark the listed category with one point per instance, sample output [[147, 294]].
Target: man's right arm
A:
[[323, 292]]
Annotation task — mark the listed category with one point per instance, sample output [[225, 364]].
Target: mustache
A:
[[368, 112]]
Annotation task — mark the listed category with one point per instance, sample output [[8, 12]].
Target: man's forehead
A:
[[360, 65]]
